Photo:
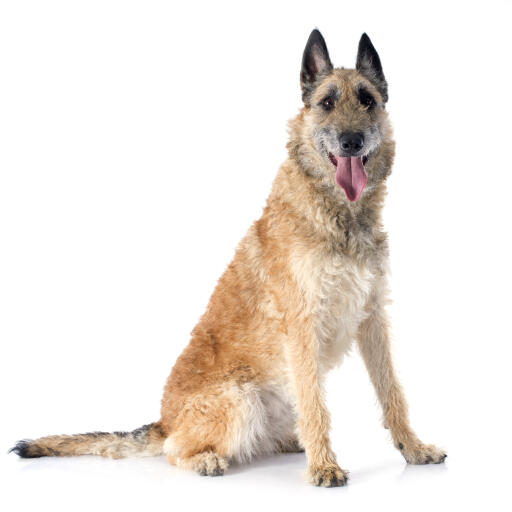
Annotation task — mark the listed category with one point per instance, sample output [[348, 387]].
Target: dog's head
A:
[[345, 123]]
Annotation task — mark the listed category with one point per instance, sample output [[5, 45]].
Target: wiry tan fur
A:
[[307, 280]]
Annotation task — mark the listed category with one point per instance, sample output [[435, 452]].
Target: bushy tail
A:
[[142, 442]]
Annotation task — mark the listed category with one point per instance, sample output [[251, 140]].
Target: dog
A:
[[307, 280]]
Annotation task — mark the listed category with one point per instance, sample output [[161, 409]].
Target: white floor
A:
[[378, 479]]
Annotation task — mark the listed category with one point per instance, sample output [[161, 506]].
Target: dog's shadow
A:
[[296, 463], [280, 461]]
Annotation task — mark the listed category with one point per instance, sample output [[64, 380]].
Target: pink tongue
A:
[[351, 176]]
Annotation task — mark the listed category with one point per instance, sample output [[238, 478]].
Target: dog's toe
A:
[[420, 453], [329, 476]]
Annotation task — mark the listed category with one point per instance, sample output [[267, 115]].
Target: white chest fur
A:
[[336, 289]]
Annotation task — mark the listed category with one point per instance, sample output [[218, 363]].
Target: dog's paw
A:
[[420, 453], [328, 476], [210, 464]]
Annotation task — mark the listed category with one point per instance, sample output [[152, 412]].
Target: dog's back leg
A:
[[221, 422]]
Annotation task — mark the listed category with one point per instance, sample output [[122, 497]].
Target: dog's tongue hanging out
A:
[[351, 176]]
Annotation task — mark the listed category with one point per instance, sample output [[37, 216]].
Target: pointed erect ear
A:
[[315, 64], [368, 64]]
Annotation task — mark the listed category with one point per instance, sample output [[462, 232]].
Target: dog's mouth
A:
[[350, 174]]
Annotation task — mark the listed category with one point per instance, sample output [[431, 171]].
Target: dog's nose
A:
[[351, 143]]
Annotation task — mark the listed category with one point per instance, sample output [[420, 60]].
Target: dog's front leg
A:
[[375, 349], [313, 417]]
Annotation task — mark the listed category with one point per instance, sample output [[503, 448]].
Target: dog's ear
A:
[[368, 64], [315, 64]]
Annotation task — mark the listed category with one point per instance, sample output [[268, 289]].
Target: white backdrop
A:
[[139, 140]]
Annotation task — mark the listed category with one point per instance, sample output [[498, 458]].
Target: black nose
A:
[[351, 143]]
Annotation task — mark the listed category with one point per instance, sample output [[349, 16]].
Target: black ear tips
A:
[[315, 62], [315, 36], [368, 63], [365, 40], [365, 50], [316, 49]]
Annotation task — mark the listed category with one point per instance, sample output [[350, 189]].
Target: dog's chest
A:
[[336, 290]]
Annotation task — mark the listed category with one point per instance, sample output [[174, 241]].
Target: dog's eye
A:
[[328, 103], [365, 98]]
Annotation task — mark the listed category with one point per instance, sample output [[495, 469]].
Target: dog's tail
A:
[[141, 442]]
